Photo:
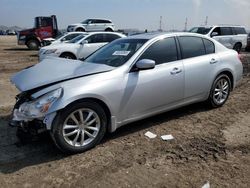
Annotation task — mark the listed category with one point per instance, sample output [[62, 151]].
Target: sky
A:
[[140, 14]]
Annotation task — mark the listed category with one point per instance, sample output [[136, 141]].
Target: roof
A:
[[152, 35]]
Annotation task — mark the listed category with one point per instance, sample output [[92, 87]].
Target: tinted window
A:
[[226, 31], [44, 22], [200, 30], [161, 51], [110, 37], [191, 46], [97, 38], [239, 30], [69, 37], [209, 46]]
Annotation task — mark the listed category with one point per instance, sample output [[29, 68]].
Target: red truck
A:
[[45, 27]]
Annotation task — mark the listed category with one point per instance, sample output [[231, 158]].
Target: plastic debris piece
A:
[[207, 185], [150, 135], [167, 137]]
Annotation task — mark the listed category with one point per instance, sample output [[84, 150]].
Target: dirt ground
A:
[[210, 145]]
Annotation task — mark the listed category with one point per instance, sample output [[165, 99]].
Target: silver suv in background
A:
[[92, 25], [233, 37]]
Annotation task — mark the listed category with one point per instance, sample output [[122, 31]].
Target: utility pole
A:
[[206, 21], [160, 29], [186, 22]]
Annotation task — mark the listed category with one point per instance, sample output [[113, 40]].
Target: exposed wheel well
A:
[[69, 53], [101, 103], [32, 38], [230, 75]]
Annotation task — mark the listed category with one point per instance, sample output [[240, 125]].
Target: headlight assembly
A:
[[39, 107], [50, 51]]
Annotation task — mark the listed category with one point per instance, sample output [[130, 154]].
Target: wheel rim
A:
[[33, 45], [221, 91], [81, 127]]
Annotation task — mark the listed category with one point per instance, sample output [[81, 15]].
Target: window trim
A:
[[181, 49], [205, 46], [131, 67]]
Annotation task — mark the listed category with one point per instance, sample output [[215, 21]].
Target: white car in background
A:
[[61, 38], [233, 37], [79, 47], [90, 25]]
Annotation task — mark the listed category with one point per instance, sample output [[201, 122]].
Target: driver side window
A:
[[162, 51], [98, 38]]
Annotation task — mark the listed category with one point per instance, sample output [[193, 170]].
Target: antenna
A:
[[186, 22], [206, 21]]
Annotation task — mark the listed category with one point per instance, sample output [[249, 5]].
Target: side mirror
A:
[[214, 34], [84, 42], [63, 39], [145, 64]]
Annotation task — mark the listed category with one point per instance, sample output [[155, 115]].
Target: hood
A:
[[53, 70], [64, 45]]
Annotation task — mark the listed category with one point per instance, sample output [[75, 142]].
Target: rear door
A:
[[149, 91], [199, 60]]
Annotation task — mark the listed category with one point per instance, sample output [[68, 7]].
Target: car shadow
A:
[[18, 49], [16, 155]]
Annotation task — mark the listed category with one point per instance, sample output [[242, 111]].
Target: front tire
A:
[[80, 30], [79, 127], [33, 44], [220, 91]]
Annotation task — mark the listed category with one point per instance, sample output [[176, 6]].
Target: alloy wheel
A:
[[221, 91], [81, 127]]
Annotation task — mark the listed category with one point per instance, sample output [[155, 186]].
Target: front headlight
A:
[[39, 107], [50, 51]]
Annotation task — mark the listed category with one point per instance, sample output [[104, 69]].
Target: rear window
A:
[[191, 47], [239, 30], [209, 46]]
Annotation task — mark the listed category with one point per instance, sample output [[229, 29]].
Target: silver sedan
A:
[[125, 81]]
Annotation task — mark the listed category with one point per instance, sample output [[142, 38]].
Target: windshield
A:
[[200, 30], [117, 52], [76, 39], [85, 21], [59, 36]]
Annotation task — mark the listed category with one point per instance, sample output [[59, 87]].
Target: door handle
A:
[[175, 71], [213, 61]]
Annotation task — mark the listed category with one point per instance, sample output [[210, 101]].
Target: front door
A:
[[149, 91]]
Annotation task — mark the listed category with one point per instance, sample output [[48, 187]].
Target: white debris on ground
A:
[[150, 135], [207, 185], [167, 137]]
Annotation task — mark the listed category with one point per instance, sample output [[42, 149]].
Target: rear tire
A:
[[33, 44], [237, 47], [91, 134], [220, 91], [68, 56], [109, 30]]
